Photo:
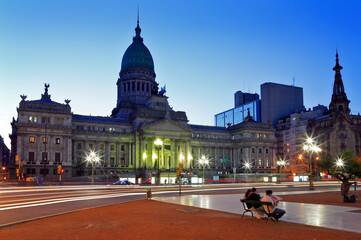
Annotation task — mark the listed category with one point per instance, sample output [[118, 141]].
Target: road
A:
[[21, 204]]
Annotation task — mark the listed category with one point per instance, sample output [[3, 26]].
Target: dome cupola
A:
[[137, 56]]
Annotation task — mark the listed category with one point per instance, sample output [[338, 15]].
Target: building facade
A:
[[143, 136], [279, 101], [338, 130], [291, 133]]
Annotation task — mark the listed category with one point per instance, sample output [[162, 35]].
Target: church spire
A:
[[339, 100]]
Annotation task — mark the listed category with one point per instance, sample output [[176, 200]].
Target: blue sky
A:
[[204, 51]]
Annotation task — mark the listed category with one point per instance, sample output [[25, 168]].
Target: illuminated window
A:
[[259, 162], [112, 147], [45, 140], [33, 119], [31, 139], [57, 140]]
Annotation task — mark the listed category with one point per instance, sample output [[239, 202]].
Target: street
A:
[[21, 204]]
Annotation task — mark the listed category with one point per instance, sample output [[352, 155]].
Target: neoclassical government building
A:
[[46, 133]]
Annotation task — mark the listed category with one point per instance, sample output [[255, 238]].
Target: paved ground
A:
[[335, 217]]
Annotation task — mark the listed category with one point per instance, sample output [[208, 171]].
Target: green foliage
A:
[[351, 166], [326, 164]]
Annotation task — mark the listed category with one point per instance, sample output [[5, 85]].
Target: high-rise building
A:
[[279, 101]]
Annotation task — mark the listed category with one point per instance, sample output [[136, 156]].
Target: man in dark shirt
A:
[[255, 197]]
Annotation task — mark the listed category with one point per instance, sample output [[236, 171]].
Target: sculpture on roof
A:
[[162, 91], [23, 97], [47, 85]]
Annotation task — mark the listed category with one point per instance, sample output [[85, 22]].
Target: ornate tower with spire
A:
[[136, 82], [339, 101]]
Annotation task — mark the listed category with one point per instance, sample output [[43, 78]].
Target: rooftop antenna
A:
[[293, 80]]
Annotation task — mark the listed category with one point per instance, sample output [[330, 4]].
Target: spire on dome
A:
[[138, 29]]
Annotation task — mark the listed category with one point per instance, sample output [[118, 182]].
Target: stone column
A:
[[172, 164]]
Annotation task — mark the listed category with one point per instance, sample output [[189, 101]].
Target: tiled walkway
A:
[[336, 217]]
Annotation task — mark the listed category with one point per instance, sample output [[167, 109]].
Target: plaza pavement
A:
[[328, 216]]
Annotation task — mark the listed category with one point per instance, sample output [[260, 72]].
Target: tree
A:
[[346, 169]]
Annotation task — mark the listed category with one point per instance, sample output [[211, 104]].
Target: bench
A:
[[253, 202]]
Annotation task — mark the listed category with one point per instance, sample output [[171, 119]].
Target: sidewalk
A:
[[328, 216]]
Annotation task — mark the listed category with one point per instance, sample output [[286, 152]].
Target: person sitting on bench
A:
[[255, 197], [277, 213], [350, 199]]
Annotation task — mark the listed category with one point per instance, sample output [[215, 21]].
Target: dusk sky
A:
[[204, 51]]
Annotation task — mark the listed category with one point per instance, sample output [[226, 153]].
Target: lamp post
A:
[[158, 145], [310, 147], [92, 158], [280, 164], [247, 167], [203, 161]]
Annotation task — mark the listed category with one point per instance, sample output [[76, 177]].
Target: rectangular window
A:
[[31, 157], [260, 150], [101, 146], [252, 150], [45, 140], [112, 147], [259, 162], [57, 140], [79, 145], [42, 171], [28, 171], [90, 145], [122, 147], [122, 161], [45, 119], [33, 119], [44, 156], [57, 157], [31, 139], [267, 150], [112, 161], [267, 163]]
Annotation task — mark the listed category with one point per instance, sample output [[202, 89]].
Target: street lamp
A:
[[310, 147], [158, 145], [203, 161], [280, 164], [339, 163], [93, 158], [247, 166]]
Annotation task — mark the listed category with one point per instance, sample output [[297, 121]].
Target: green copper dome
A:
[[137, 55]]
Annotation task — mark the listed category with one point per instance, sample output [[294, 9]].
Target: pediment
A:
[[165, 126]]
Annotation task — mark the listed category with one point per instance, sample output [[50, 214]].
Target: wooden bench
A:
[[263, 204]]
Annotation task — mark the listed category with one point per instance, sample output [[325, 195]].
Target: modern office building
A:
[[279, 101], [144, 138], [243, 102]]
